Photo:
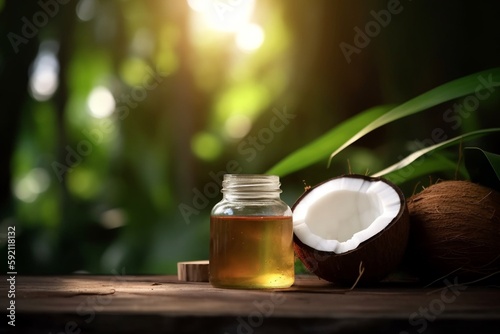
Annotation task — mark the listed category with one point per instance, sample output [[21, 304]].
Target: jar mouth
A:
[[250, 183]]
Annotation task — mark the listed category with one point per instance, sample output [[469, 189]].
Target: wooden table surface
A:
[[162, 304]]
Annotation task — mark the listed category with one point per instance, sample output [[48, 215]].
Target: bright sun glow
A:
[[229, 15], [250, 37], [198, 5], [101, 102]]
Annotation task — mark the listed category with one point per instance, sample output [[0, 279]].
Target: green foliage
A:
[[188, 102], [391, 170], [321, 147], [483, 167], [426, 166], [360, 125]]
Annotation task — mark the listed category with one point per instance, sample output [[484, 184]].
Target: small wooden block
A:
[[193, 271]]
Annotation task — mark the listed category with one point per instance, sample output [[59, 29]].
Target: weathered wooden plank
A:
[[94, 303]]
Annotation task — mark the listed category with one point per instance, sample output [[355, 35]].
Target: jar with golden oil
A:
[[251, 235]]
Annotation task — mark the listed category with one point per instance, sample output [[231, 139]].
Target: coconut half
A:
[[351, 227]]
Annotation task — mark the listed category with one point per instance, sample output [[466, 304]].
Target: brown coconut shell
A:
[[455, 229], [371, 261]]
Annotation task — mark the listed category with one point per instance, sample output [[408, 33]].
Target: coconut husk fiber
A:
[[455, 230]]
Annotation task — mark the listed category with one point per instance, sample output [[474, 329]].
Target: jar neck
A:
[[250, 186]]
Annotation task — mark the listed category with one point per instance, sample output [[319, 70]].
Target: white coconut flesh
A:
[[339, 214]]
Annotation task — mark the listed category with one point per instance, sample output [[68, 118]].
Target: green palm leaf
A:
[[358, 126], [321, 147], [425, 166], [415, 155]]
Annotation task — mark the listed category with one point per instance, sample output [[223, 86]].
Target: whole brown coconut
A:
[[333, 209], [455, 229]]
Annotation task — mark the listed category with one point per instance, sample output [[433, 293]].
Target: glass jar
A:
[[251, 235]]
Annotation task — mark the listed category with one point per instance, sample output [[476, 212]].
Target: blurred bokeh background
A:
[[119, 117]]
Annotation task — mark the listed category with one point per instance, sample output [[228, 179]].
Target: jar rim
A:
[[251, 177], [251, 183]]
